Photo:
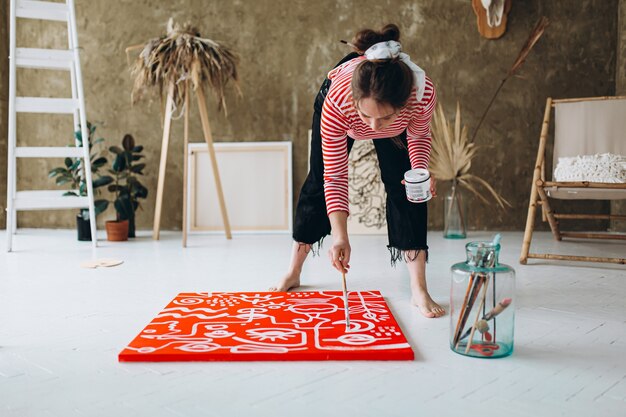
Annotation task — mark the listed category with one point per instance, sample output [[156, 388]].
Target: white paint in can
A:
[[417, 183]]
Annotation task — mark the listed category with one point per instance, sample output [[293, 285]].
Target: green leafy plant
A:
[[72, 172], [126, 187]]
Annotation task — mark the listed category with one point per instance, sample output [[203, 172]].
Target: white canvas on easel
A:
[[257, 182], [366, 192]]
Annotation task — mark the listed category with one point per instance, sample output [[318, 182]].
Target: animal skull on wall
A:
[[491, 17], [495, 10]]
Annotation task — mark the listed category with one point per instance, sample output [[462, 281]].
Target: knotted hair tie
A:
[[393, 49]]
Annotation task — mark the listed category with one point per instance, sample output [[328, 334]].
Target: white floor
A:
[[61, 328]]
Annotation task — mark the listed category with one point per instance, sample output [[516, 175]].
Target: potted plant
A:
[[72, 173], [126, 187], [451, 160]]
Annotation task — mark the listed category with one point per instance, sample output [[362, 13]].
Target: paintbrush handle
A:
[[345, 295], [482, 302], [478, 283], [497, 309], [459, 329], [482, 327], [345, 300], [491, 314]]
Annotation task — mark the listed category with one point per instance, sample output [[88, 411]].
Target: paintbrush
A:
[[498, 309], [348, 43], [482, 303], [467, 308], [345, 296], [459, 327], [491, 314]]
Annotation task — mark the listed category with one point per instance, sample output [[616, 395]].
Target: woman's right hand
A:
[[339, 255]]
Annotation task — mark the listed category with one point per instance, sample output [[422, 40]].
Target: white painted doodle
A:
[[268, 326]]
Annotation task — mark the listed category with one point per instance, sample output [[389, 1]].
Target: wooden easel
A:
[[206, 129]]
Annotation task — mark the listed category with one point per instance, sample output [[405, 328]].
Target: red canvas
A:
[[271, 326]]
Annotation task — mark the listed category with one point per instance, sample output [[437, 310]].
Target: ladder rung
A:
[[48, 200], [46, 105], [48, 152], [54, 59], [45, 10]]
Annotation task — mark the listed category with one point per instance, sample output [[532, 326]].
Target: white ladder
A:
[[52, 59]]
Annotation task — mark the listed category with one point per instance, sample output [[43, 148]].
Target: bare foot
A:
[[426, 305], [289, 282]]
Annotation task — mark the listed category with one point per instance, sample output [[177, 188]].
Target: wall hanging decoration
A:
[[491, 17], [174, 64], [271, 326], [533, 38]]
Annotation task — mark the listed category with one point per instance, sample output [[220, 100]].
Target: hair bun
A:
[[390, 32], [368, 37]]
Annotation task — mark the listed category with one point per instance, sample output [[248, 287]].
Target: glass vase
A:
[[454, 213], [482, 299]]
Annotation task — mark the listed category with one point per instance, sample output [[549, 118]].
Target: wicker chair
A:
[[583, 126]]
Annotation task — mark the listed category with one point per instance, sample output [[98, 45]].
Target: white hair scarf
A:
[[393, 49]]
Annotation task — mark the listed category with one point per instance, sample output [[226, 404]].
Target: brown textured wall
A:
[[286, 46], [619, 206]]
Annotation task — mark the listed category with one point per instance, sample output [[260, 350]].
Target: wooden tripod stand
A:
[[206, 129]]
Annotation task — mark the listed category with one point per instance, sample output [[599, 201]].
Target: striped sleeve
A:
[[334, 127], [418, 130]]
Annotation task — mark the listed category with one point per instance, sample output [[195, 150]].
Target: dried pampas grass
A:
[[183, 55], [452, 155]]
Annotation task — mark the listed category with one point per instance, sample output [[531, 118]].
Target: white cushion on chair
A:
[[589, 127], [605, 167]]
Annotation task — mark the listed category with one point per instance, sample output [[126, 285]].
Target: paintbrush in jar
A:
[[459, 327], [482, 303], [466, 310], [482, 325]]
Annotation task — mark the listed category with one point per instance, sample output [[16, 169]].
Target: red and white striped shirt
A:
[[340, 119]]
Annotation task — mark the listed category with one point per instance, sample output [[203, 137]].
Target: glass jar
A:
[[482, 303], [454, 213]]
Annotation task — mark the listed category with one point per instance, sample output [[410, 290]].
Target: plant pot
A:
[[117, 231], [83, 227]]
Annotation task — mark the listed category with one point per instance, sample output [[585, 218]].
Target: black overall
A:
[[406, 221]]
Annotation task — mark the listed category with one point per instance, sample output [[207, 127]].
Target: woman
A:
[[374, 93]]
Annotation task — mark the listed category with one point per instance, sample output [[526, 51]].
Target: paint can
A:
[[417, 184]]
